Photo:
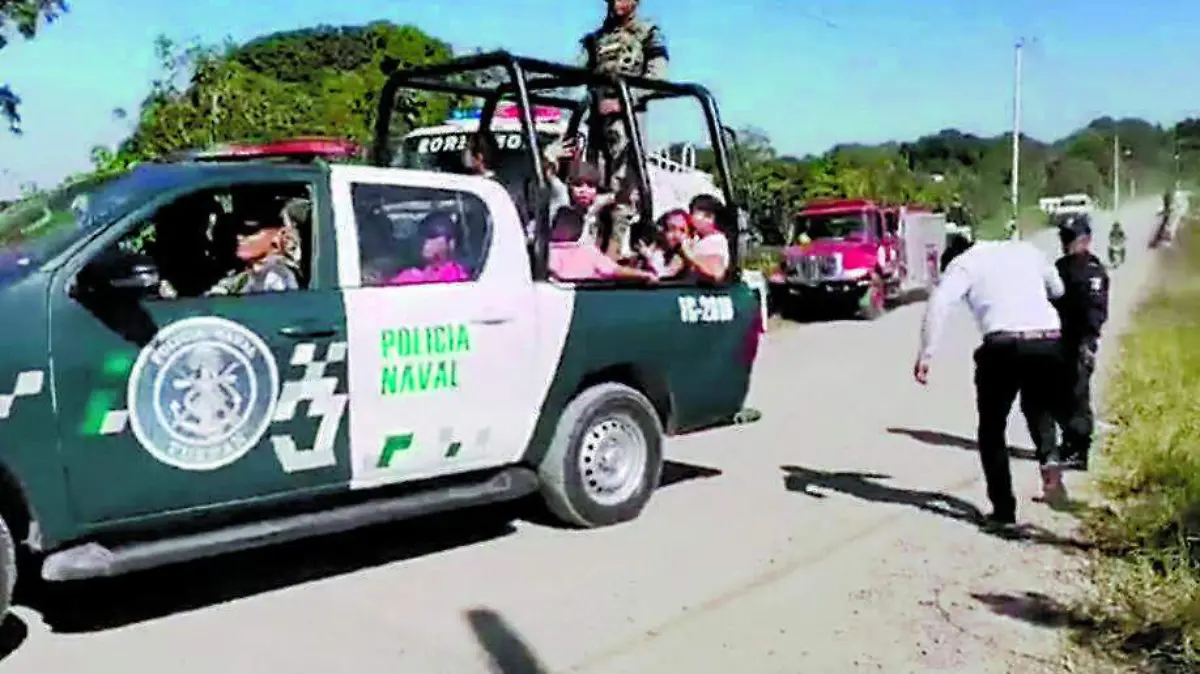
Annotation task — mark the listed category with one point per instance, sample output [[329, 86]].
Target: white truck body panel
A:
[[924, 237]]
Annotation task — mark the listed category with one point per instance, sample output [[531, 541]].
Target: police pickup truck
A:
[[145, 421]]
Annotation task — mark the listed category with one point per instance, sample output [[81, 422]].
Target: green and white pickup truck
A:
[[144, 421]]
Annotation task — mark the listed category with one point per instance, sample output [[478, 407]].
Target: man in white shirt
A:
[[708, 256], [1008, 286]]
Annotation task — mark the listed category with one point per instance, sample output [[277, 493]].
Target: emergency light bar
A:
[[295, 148], [541, 113]]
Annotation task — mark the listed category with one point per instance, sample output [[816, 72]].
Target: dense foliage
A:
[[324, 81], [951, 165], [25, 16]]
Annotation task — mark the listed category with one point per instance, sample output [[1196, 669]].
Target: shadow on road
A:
[[13, 633], [95, 605], [864, 486], [505, 648], [676, 472], [941, 439], [1034, 608]]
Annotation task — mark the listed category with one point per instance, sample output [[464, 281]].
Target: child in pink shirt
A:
[[573, 260], [440, 241]]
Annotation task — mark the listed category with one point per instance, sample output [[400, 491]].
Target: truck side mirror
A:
[[119, 273]]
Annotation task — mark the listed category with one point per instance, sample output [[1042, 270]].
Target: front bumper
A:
[[832, 289]]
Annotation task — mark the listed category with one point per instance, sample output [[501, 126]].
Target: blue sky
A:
[[809, 73]]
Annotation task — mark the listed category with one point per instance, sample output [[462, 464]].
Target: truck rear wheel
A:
[[605, 459], [8, 568]]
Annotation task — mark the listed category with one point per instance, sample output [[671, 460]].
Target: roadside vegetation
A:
[[1146, 603]]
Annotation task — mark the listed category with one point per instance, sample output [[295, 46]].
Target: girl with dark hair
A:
[[662, 255]]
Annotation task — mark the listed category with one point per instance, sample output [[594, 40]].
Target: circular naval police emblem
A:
[[201, 395]]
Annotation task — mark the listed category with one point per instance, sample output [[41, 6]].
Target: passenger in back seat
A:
[[440, 237]]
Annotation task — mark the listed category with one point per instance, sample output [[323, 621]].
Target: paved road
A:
[[748, 561]]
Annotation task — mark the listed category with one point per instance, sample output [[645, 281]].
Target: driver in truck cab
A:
[[270, 252]]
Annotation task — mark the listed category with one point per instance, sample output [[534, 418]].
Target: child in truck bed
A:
[[575, 260]]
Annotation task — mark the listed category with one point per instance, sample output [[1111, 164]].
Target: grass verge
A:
[[1146, 603]]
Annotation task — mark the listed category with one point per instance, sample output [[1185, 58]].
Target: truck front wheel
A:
[[605, 459]]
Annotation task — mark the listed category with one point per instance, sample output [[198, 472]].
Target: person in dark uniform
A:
[[1083, 310], [1116, 245]]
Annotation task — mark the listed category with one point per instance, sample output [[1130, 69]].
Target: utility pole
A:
[[1116, 172], [1175, 150], [1016, 138]]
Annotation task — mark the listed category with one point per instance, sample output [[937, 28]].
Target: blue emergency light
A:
[[466, 113]]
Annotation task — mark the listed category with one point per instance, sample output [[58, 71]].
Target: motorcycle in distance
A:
[[1116, 246]]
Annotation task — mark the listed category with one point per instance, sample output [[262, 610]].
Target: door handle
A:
[[491, 320], [307, 331]]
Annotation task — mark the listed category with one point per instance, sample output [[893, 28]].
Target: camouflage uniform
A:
[[273, 274], [633, 48], [276, 272]]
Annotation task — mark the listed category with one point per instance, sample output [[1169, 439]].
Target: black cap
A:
[[1073, 226]]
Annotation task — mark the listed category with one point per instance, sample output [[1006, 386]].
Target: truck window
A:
[[891, 221], [876, 224], [833, 225], [231, 240], [419, 235]]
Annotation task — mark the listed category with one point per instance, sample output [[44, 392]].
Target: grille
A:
[[827, 265]]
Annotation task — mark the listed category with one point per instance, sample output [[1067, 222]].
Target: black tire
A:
[[565, 482], [8, 568]]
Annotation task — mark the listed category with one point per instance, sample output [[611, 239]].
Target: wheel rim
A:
[[612, 460]]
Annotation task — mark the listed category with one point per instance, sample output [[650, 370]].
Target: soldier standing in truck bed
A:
[[624, 45], [1083, 309]]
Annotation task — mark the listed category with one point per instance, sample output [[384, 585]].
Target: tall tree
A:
[[26, 16]]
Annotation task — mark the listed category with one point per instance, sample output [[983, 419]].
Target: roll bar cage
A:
[[531, 82]]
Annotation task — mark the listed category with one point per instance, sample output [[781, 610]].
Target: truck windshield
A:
[[833, 226], [43, 225]]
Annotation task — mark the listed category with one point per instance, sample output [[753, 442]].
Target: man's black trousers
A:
[[1004, 367], [1078, 422]]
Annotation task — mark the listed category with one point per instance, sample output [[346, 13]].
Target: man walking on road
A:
[[1008, 286], [1083, 310]]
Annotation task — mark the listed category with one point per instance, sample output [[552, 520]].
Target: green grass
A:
[[1147, 576]]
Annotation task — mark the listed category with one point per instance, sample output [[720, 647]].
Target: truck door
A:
[[170, 399], [439, 365]]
